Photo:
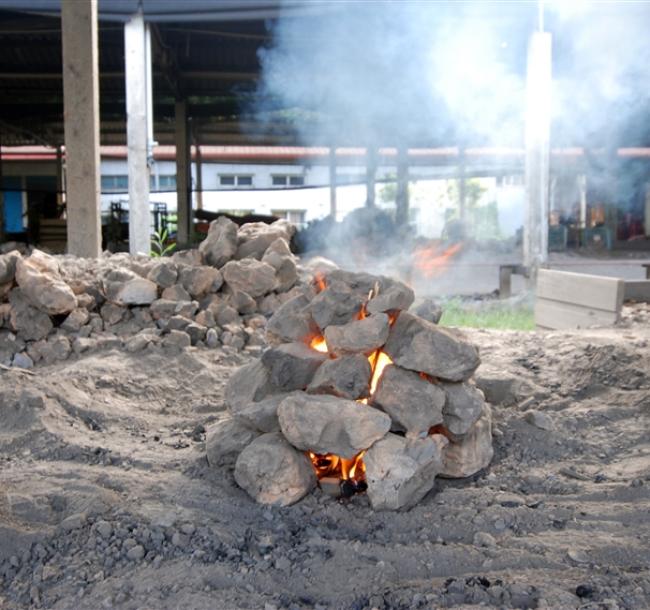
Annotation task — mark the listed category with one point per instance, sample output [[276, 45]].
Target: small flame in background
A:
[[432, 260]]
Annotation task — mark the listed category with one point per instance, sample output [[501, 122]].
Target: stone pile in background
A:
[[353, 377], [217, 295]]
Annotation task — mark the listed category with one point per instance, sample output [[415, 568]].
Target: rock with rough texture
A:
[[243, 302], [462, 409], [221, 243], [421, 346], [250, 276], [75, 320], [176, 293], [200, 280], [473, 453], [395, 296], [123, 287], [226, 439], [164, 273], [337, 304], [159, 309], [31, 323], [292, 321], [539, 419], [328, 424], [8, 266], [346, 377], [177, 339], [292, 366], [279, 256], [261, 415], [255, 238], [40, 281], [249, 383], [271, 471], [414, 404], [400, 471], [359, 336], [429, 310]]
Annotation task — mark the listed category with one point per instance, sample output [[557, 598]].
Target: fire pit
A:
[[356, 394]]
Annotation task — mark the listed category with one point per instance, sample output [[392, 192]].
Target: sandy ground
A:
[[107, 501]]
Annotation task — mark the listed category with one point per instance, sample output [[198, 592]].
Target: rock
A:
[[111, 313], [271, 471], [196, 332], [267, 305], [164, 273], [226, 440], [176, 293], [346, 377], [400, 471], [462, 409], [292, 366], [125, 288], [359, 336], [104, 529], [421, 346], [413, 403], [540, 420], [22, 360], [56, 348], [191, 257], [292, 321], [221, 243], [160, 309], [75, 320], [255, 238], [138, 342], [177, 339], [473, 453], [212, 338], [8, 266], [243, 302], [279, 256], [319, 265], [135, 553], [250, 276], [395, 296], [261, 415], [337, 304], [429, 310], [249, 383], [178, 323], [205, 318], [200, 280], [42, 286], [73, 522], [31, 323], [503, 389], [484, 539], [328, 424]]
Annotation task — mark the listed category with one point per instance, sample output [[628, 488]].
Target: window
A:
[[235, 180], [296, 217], [166, 182], [115, 184], [286, 180]]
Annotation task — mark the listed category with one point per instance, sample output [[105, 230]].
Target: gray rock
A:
[[328, 424], [189, 257], [135, 553], [359, 336], [400, 471], [261, 415], [279, 256], [271, 471], [178, 323], [196, 332], [226, 439], [221, 243], [200, 280], [125, 288], [462, 409], [138, 342], [176, 293], [337, 304], [292, 366], [104, 529], [159, 309], [255, 238], [112, 314], [471, 454], [484, 539], [394, 296], [212, 338], [31, 323], [164, 273], [75, 320], [346, 377], [268, 304], [205, 318], [429, 310], [249, 383], [414, 404], [292, 321], [540, 420], [421, 346], [177, 339], [73, 522], [243, 302], [250, 276], [22, 360], [42, 286], [8, 266]]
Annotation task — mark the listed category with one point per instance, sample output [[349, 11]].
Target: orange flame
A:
[[319, 282], [432, 261], [319, 344]]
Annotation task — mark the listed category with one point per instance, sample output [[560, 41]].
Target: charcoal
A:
[[337, 304], [328, 424], [462, 409], [250, 276], [220, 244], [292, 321], [292, 366], [429, 310], [421, 346], [346, 377], [359, 336], [414, 404]]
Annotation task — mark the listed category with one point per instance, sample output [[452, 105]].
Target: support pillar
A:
[[462, 185], [332, 176], [402, 196], [2, 198], [137, 59], [81, 118], [199, 170], [538, 98], [60, 188], [371, 172], [183, 174]]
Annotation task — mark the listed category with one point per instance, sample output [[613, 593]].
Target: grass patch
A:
[[487, 314]]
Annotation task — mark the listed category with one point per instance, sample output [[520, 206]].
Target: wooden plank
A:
[[591, 291], [557, 315], [637, 290]]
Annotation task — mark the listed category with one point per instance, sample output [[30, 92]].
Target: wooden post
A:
[[371, 171], [332, 176], [183, 175], [537, 151], [402, 196], [81, 118], [137, 128]]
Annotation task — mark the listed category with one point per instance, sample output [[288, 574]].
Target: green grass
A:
[[487, 314]]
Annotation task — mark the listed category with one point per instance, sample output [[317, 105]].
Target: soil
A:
[[107, 500]]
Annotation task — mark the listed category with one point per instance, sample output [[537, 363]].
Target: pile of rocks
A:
[[357, 388], [218, 294]]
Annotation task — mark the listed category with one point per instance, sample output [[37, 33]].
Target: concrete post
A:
[[402, 196], [59, 176], [199, 170], [2, 198], [371, 172], [183, 174], [137, 130], [81, 118], [538, 102], [462, 185], [332, 176]]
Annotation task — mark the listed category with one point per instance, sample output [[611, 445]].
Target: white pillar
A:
[[81, 117], [332, 177], [538, 102], [137, 59]]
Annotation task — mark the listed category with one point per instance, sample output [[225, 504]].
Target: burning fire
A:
[[432, 260], [319, 344]]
